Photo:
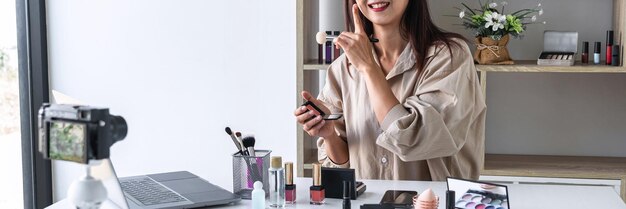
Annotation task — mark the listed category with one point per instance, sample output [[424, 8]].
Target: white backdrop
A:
[[179, 72]]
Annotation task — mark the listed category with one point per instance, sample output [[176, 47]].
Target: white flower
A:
[[462, 14], [539, 5], [495, 20], [534, 18], [493, 5], [544, 22], [540, 12]]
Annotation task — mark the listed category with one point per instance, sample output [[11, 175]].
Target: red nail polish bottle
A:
[[290, 187], [317, 190]]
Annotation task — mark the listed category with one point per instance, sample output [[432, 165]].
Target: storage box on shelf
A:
[[495, 165]]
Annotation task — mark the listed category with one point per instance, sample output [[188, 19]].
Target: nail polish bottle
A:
[[329, 49], [585, 55], [277, 183], [616, 49], [609, 47], [290, 187], [336, 53], [596, 52], [317, 190]]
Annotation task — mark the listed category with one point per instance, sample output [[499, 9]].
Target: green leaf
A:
[[470, 9]]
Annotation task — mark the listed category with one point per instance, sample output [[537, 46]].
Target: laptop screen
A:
[[105, 172]]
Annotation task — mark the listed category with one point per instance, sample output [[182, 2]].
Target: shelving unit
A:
[[495, 165], [558, 167]]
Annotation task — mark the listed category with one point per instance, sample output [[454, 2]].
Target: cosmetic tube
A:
[[320, 53], [616, 51], [346, 195], [585, 55], [450, 199], [317, 190], [596, 52], [609, 47], [290, 187], [277, 183], [329, 49], [337, 51]]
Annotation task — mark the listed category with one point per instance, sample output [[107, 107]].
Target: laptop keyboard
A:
[[149, 192]]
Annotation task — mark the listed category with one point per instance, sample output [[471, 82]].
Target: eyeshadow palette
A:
[[473, 199], [559, 48], [557, 58], [478, 195]]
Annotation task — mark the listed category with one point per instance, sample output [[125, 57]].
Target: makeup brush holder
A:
[[249, 169]]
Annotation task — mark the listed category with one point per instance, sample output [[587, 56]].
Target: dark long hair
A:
[[416, 26]]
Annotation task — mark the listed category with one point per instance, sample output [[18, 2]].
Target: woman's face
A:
[[383, 12]]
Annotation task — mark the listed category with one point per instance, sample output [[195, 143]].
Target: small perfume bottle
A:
[[329, 49], [277, 183], [317, 190], [290, 187]]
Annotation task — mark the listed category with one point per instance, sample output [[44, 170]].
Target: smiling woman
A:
[[411, 101]]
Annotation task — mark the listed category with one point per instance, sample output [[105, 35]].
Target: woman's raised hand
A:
[[357, 45]]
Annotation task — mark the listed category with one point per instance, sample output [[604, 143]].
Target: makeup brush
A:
[[248, 143], [238, 135], [321, 38], [230, 133]]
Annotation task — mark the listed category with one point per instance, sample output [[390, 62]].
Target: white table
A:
[[520, 196]]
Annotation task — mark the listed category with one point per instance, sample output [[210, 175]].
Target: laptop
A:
[[174, 190]]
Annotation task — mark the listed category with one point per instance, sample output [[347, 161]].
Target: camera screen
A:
[[67, 141]]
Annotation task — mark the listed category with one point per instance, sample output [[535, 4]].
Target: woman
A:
[[412, 104]]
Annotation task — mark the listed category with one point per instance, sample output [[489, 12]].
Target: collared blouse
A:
[[437, 130]]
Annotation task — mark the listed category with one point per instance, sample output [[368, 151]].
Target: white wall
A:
[[179, 72]]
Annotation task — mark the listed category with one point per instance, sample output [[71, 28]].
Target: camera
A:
[[78, 133]]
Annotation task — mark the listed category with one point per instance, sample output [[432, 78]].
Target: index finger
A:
[[358, 26]]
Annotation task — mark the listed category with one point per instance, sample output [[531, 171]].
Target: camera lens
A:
[[119, 129]]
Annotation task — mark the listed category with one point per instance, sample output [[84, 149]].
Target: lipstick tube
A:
[[616, 58], [609, 47]]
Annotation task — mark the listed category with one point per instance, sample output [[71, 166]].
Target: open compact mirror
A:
[[478, 195]]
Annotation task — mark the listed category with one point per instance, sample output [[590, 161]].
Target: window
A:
[[11, 195]]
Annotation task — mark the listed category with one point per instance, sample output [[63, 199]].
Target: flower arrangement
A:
[[488, 21]]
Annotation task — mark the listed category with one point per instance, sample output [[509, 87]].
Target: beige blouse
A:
[[437, 130]]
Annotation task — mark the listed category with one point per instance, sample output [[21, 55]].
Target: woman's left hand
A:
[[357, 45]]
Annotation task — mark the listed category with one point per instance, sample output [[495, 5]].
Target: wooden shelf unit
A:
[[582, 167], [502, 165]]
